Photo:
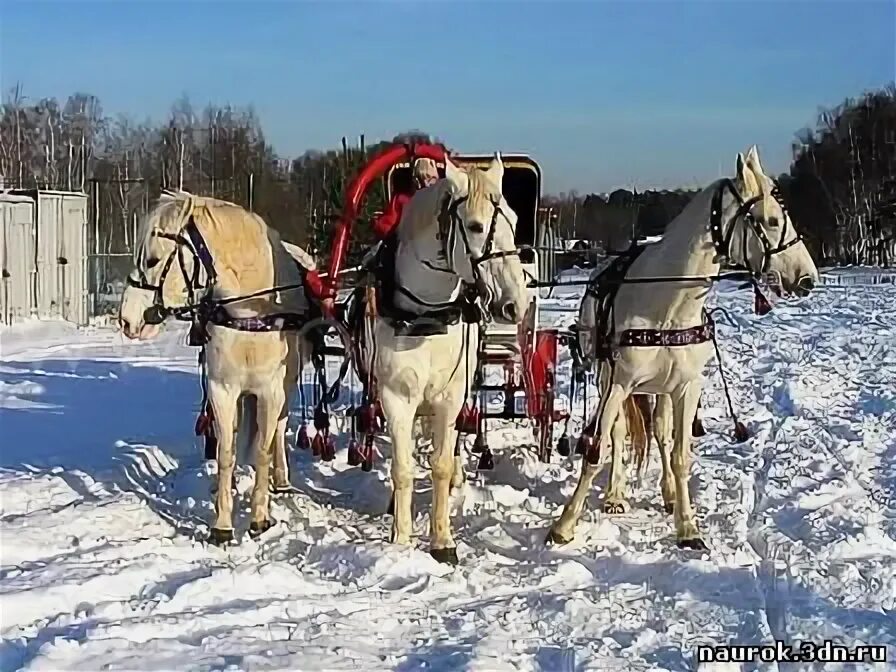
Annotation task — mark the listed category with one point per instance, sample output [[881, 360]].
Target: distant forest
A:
[[841, 188]]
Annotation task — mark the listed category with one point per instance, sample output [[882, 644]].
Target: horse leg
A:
[[662, 428], [224, 399], [562, 531], [459, 477], [642, 404], [442, 546], [614, 501], [400, 422], [268, 409], [294, 364], [685, 401], [280, 482]]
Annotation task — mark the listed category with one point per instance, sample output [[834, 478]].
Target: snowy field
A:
[[105, 497]]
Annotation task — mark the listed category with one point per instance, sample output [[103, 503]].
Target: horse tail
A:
[[636, 418], [245, 429], [643, 404]]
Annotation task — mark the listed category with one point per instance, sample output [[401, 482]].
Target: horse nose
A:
[[806, 284]]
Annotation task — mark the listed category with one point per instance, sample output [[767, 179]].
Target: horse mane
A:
[[169, 213], [240, 241], [174, 207]]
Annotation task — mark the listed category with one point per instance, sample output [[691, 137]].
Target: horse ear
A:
[[745, 177], [740, 165], [753, 160], [457, 178], [495, 170]]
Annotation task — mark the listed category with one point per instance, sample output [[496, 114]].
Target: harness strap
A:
[[740, 431], [200, 248], [604, 290], [668, 337]]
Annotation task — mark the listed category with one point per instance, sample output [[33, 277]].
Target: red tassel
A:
[[302, 440], [354, 453], [328, 454], [317, 445], [367, 453], [368, 419], [204, 421], [467, 420], [761, 306], [740, 432]]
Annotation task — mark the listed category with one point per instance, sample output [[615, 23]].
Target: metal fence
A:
[[116, 209]]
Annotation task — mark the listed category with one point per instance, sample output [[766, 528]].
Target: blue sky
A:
[[603, 94]]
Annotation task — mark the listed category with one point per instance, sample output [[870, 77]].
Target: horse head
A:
[[167, 268], [484, 253], [765, 239]]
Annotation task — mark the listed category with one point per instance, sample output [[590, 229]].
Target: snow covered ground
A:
[[104, 496]]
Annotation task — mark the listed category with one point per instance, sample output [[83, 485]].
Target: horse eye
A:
[[152, 261], [773, 222], [477, 227]]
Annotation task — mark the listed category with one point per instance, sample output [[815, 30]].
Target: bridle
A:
[[189, 239], [722, 238]]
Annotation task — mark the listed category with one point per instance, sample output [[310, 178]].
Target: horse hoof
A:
[[669, 508], [399, 541], [614, 508], [447, 556], [282, 489], [554, 538], [257, 529], [695, 544], [217, 537]]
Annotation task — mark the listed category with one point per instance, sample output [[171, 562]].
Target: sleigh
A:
[[516, 365]]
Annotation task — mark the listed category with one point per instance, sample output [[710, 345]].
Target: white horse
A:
[[194, 248], [659, 338], [456, 233]]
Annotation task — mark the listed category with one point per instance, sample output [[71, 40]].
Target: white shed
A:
[[55, 253], [17, 271]]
